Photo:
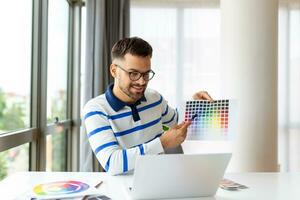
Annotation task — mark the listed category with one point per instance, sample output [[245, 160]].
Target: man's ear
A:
[[113, 70]]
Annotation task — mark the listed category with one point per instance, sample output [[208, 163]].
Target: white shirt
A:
[[119, 133]]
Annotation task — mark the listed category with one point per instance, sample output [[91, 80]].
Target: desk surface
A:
[[261, 185]]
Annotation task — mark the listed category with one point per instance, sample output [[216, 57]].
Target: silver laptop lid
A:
[[178, 175]]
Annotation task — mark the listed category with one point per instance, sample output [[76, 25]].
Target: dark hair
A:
[[134, 45]]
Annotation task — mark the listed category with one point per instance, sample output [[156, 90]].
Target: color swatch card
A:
[[210, 120], [63, 189]]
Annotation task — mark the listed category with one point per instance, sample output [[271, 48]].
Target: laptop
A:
[[177, 175]]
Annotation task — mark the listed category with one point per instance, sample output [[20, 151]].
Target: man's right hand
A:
[[174, 136]]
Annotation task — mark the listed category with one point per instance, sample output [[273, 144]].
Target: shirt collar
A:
[[116, 103]]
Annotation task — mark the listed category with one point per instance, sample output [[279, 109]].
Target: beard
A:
[[134, 91]]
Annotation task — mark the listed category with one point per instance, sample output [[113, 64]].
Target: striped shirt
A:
[[119, 132]]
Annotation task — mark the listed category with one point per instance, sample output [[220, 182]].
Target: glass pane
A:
[[283, 68], [148, 23], [15, 63], [13, 160], [181, 53], [294, 68], [288, 89], [56, 151], [201, 51], [57, 60]]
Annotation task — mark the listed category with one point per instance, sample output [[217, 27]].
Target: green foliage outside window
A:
[[11, 118], [3, 166], [59, 146]]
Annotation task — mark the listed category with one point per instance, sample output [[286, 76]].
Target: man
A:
[[128, 119]]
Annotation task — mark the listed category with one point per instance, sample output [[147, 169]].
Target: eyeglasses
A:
[[135, 75]]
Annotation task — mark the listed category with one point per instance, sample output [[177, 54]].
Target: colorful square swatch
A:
[[210, 120]]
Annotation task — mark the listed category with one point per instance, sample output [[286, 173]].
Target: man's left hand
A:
[[202, 95]]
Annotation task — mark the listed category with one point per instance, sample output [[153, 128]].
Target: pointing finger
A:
[[179, 125], [186, 125]]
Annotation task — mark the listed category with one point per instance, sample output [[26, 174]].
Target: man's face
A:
[[133, 89]]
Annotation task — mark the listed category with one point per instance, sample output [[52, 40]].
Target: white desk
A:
[[265, 186]]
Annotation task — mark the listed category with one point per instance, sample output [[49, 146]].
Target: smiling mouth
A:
[[139, 89]]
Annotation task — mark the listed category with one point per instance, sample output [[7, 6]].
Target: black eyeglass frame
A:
[[150, 73]]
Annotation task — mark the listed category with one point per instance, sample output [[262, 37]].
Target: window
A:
[[56, 151], [13, 160], [58, 31], [288, 88], [190, 42], [38, 102], [186, 40], [57, 83], [15, 80], [201, 51], [15, 62], [182, 51]]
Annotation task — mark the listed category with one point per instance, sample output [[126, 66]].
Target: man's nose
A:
[[141, 80]]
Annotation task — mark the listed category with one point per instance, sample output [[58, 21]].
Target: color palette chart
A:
[[210, 120], [62, 189]]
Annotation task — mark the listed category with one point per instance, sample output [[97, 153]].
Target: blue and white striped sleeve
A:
[[113, 158], [169, 115]]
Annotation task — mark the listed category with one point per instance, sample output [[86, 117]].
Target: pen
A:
[[98, 185], [194, 116]]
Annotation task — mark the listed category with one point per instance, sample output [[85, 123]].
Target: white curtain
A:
[[107, 21]]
